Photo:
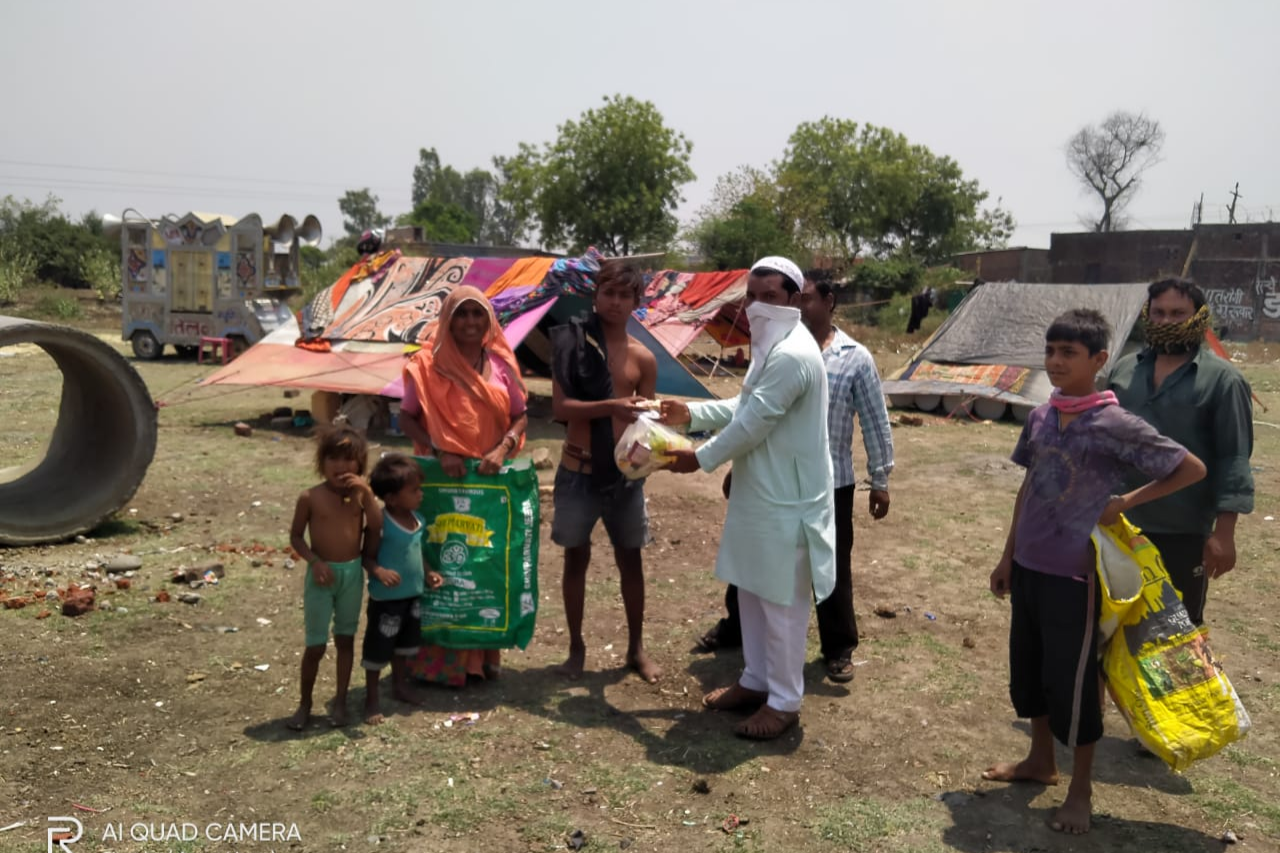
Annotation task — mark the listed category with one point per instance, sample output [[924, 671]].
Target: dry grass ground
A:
[[161, 715]]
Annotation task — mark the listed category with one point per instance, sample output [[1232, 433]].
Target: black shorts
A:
[[393, 627], [579, 506], [1053, 653], [1183, 558]]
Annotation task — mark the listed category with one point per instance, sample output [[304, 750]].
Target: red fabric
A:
[[707, 286]]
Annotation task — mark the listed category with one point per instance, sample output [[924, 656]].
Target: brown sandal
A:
[[767, 724], [840, 670], [732, 697]]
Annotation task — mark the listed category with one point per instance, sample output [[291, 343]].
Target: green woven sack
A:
[[482, 537]]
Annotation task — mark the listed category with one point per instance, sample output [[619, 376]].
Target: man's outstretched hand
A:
[[675, 413]]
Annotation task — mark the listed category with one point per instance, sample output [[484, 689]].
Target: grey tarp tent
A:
[[989, 354]]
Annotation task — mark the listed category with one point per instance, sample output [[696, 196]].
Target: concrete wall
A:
[[1117, 257], [1237, 266], [1020, 264]]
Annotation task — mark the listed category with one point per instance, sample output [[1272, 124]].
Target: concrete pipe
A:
[[98, 454]]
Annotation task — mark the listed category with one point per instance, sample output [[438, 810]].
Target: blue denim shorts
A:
[[579, 506]]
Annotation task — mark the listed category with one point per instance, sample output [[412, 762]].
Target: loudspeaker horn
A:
[[111, 225], [309, 232], [282, 231]]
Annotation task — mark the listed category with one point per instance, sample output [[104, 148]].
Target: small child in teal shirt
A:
[[397, 578]]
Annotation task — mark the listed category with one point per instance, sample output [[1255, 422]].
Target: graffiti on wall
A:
[[1266, 288], [1228, 305]]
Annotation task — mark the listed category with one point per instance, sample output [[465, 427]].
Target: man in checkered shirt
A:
[[854, 390]]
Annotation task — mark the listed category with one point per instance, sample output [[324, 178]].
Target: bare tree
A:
[[1109, 160]]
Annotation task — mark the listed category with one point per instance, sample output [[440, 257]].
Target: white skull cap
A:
[[782, 265]]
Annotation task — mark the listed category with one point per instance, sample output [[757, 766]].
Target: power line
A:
[[231, 193], [235, 178]]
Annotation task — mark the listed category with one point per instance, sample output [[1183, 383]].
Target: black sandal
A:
[[710, 641], [840, 670], [714, 641]]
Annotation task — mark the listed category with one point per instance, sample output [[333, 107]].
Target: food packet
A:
[[644, 447]]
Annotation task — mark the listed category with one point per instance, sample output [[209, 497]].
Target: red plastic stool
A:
[[217, 346]]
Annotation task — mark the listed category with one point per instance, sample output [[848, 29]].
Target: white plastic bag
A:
[[644, 445]]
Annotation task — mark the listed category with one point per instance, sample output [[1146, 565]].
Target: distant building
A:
[[1018, 264], [1238, 266]]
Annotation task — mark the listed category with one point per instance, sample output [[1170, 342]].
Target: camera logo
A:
[[60, 829]]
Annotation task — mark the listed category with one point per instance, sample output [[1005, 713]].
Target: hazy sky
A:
[[280, 106]]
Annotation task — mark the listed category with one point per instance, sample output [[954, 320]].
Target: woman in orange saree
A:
[[463, 399]]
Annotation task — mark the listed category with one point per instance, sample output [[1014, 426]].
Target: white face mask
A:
[[769, 324]]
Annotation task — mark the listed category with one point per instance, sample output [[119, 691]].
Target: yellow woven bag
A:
[[1158, 665]]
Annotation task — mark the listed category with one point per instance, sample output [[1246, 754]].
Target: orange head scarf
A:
[[462, 412]]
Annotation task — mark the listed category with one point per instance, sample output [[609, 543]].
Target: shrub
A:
[[57, 307], [102, 271], [17, 270]]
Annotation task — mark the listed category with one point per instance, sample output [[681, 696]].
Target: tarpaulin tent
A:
[[989, 354], [357, 330], [680, 306]]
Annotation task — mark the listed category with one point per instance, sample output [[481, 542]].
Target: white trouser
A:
[[774, 638]]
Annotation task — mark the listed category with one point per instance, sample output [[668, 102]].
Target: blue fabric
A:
[[401, 552]]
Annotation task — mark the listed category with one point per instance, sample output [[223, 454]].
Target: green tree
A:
[[866, 190], [611, 179], [750, 230], [444, 222], [456, 199], [360, 212], [743, 221]]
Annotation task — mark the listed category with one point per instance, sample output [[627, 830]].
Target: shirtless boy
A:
[[602, 378], [337, 515]]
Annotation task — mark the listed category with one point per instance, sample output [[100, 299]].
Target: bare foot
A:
[[300, 718], [733, 698], [1072, 817], [338, 718], [645, 668], [1022, 771], [373, 710], [573, 666]]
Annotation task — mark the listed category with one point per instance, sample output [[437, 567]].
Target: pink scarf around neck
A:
[[1076, 405]]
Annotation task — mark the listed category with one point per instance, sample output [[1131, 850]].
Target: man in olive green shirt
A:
[[1179, 386]]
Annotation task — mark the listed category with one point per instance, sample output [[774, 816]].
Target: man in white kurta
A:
[[778, 544]]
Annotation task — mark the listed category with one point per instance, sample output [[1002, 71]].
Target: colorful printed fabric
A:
[[666, 283], [483, 272], [998, 376], [522, 273], [318, 315], [402, 304], [576, 276], [438, 665], [706, 286]]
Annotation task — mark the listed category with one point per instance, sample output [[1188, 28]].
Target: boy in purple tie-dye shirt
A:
[[1076, 449]]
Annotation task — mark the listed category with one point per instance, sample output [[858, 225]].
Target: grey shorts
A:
[[578, 507]]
